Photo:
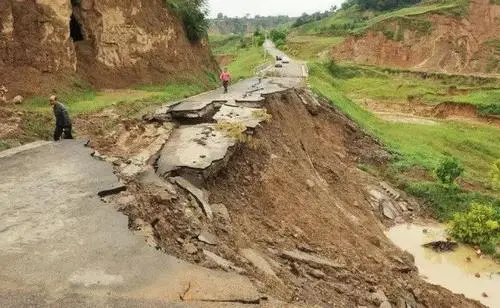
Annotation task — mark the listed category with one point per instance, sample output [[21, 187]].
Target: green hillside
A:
[[353, 20]]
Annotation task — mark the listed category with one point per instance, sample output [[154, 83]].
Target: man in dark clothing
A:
[[63, 122]]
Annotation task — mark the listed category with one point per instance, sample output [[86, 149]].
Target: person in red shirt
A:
[[225, 77]]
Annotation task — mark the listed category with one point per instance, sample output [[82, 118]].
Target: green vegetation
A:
[[317, 16], [418, 146], [38, 120], [487, 101], [404, 87], [229, 44], [193, 14], [479, 225], [448, 170], [308, 47], [352, 19], [446, 200], [4, 145], [379, 5], [278, 36], [223, 25], [245, 53], [495, 174], [246, 62]]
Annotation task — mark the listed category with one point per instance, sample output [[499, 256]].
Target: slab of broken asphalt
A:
[[58, 239], [199, 151]]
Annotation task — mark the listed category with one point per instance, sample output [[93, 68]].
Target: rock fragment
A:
[[207, 238], [223, 263], [258, 261]]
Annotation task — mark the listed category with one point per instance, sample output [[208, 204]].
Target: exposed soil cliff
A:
[[110, 43], [435, 42]]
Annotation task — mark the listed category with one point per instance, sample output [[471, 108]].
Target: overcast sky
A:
[[269, 7]]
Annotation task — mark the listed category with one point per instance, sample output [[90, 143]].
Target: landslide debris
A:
[[291, 210]]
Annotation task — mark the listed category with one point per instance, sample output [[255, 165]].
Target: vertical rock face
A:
[[36, 34], [110, 43], [452, 44]]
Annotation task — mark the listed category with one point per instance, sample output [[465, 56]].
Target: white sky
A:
[[239, 8]]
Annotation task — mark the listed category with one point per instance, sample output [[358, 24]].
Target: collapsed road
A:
[[251, 198]]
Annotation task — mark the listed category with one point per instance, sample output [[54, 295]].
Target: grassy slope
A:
[[38, 122], [308, 47], [373, 83], [246, 58], [476, 146], [360, 21]]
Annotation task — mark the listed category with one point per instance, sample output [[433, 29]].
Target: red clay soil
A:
[[296, 184]]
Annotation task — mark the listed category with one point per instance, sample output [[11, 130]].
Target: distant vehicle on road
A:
[[278, 64], [285, 59], [278, 58]]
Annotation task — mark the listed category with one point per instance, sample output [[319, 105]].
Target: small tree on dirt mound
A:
[[495, 174], [480, 225], [448, 170]]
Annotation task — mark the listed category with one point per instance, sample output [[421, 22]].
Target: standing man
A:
[[63, 122], [225, 77]]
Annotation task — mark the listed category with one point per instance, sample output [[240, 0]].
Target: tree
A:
[[193, 14], [220, 16]]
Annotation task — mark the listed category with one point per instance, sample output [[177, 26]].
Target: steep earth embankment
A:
[[109, 43], [434, 42]]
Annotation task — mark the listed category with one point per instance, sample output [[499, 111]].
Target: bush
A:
[[446, 200], [193, 14], [480, 225], [278, 36], [495, 174], [259, 38], [448, 170]]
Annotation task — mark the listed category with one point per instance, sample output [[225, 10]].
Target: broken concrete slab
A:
[[145, 155], [391, 191], [250, 100], [200, 195], [195, 149], [223, 263], [250, 117], [389, 210], [208, 238], [258, 261], [193, 110], [296, 255]]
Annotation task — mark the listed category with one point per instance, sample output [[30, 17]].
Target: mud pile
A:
[[291, 210], [109, 43], [432, 42]]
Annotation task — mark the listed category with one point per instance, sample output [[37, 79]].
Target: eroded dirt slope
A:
[[293, 188], [433, 42], [108, 43]]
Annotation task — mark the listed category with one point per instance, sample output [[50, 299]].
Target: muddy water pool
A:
[[451, 270]]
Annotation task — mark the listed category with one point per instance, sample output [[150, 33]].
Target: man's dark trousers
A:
[[58, 132]]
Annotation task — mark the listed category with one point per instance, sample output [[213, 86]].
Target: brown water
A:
[[450, 269]]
